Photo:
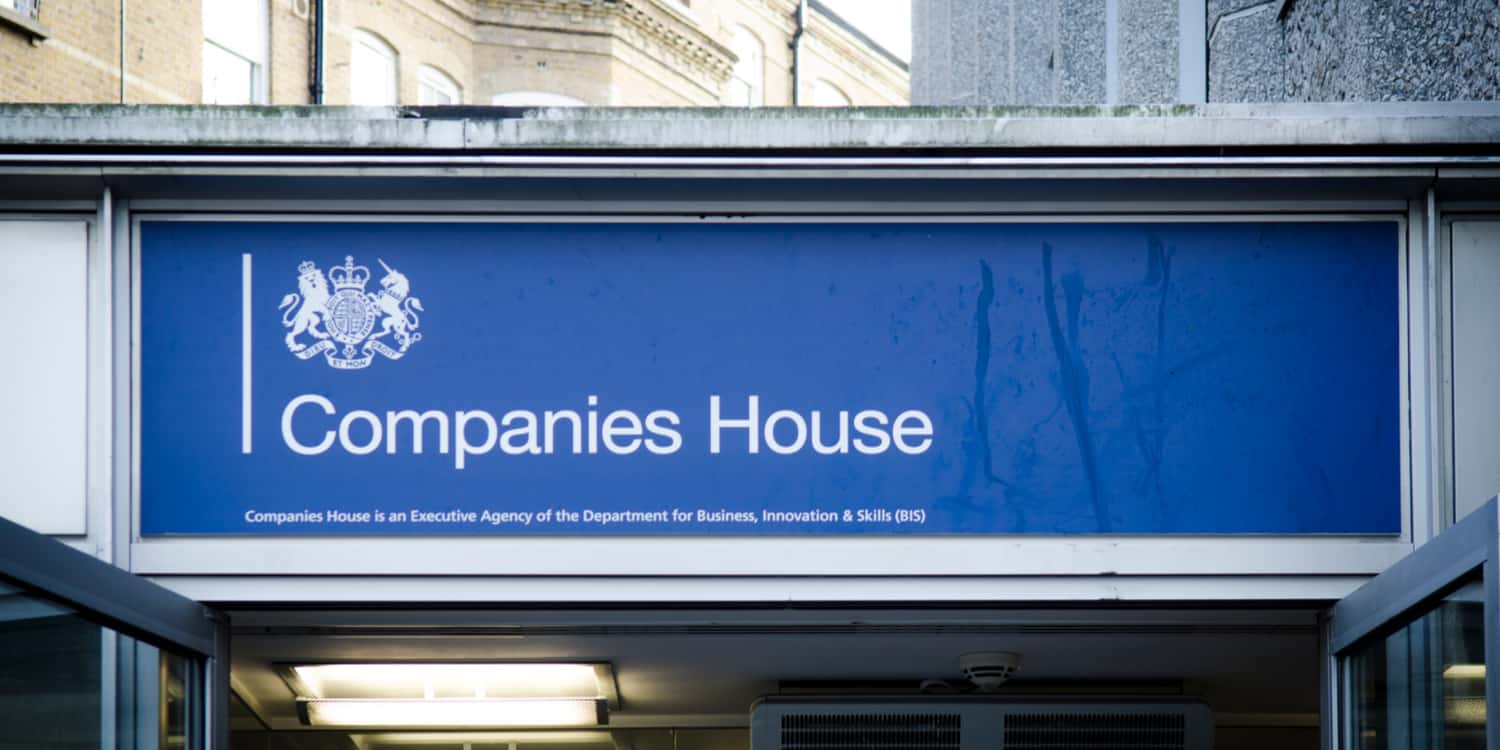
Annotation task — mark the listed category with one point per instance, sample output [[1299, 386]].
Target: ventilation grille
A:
[[858, 731], [1083, 731]]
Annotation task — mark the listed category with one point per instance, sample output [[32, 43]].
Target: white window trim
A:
[[377, 44], [822, 85], [757, 86], [432, 77], [260, 88]]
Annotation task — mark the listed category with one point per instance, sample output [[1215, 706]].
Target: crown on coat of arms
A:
[[307, 268], [348, 276]]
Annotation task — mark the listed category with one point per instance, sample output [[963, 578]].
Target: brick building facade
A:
[[593, 52]]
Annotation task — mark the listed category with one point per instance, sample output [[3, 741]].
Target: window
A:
[[372, 71], [1425, 681], [27, 8], [826, 94], [234, 51], [747, 87], [434, 87]]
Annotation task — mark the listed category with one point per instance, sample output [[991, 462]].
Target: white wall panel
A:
[[43, 374], [1476, 363]]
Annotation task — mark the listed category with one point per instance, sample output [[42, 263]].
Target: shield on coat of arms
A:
[[350, 317]]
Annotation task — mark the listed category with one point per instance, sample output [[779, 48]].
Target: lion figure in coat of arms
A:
[[312, 293], [397, 307]]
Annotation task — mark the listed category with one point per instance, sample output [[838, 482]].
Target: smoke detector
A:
[[988, 670]]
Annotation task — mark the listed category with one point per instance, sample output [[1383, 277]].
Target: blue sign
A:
[[490, 378]]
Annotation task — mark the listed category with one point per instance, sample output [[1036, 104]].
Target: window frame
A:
[[379, 45], [431, 77], [753, 44], [822, 86], [1467, 550], [260, 64]]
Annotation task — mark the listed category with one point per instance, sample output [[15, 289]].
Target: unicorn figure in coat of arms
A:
[[349, 315]]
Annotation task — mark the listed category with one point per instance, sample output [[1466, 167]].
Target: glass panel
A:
[[238, 26], [434, 87], [227, 77], [66, 682], [50, 681], [372, 77], [1423, 685], [176, 699]]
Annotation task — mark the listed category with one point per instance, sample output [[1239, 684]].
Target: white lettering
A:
[[418, 421], [463, 447], [799, 430], [349, 419], [286, 425], [631, 429], [750, 424], [841, 446], [862, 426], [923, 429], [527, 431], [655, 424]]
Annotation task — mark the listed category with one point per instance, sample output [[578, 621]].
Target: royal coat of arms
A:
[[349, 326]]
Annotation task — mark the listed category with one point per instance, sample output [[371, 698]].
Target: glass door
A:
[[1410, 648], [94, 658]]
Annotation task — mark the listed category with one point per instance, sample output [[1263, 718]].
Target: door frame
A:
[[1470, 546], [129, 605]]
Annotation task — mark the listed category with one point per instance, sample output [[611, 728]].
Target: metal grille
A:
[[858, 731], [28, 8], [1083, 731]]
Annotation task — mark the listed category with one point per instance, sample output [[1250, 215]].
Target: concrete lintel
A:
[[501, 130]]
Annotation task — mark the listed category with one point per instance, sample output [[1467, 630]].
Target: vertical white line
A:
[[245, 353]]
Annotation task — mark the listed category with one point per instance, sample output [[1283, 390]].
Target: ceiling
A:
[[680, 668]]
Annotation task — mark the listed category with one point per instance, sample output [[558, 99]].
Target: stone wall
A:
[[1054, 51], [1041, 51], [1354, 50], [1246, 56], [1384, 50]]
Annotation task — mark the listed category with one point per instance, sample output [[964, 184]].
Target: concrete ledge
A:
[[511, 130], [33, 30]]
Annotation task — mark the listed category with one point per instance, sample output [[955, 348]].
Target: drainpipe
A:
[[319, 24], [797, 53]]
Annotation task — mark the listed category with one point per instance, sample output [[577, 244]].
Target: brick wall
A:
[[423, 32], [291, 51], [867, 78], [532, 47], [772, 22], [80, 62], [624, 53]]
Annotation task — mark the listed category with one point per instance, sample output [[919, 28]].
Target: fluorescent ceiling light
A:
[[1464, 672], [443, 681], [458, 695], [573, 738], [454, 712]]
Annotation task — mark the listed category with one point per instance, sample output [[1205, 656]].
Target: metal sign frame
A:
[[1028, 568]]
